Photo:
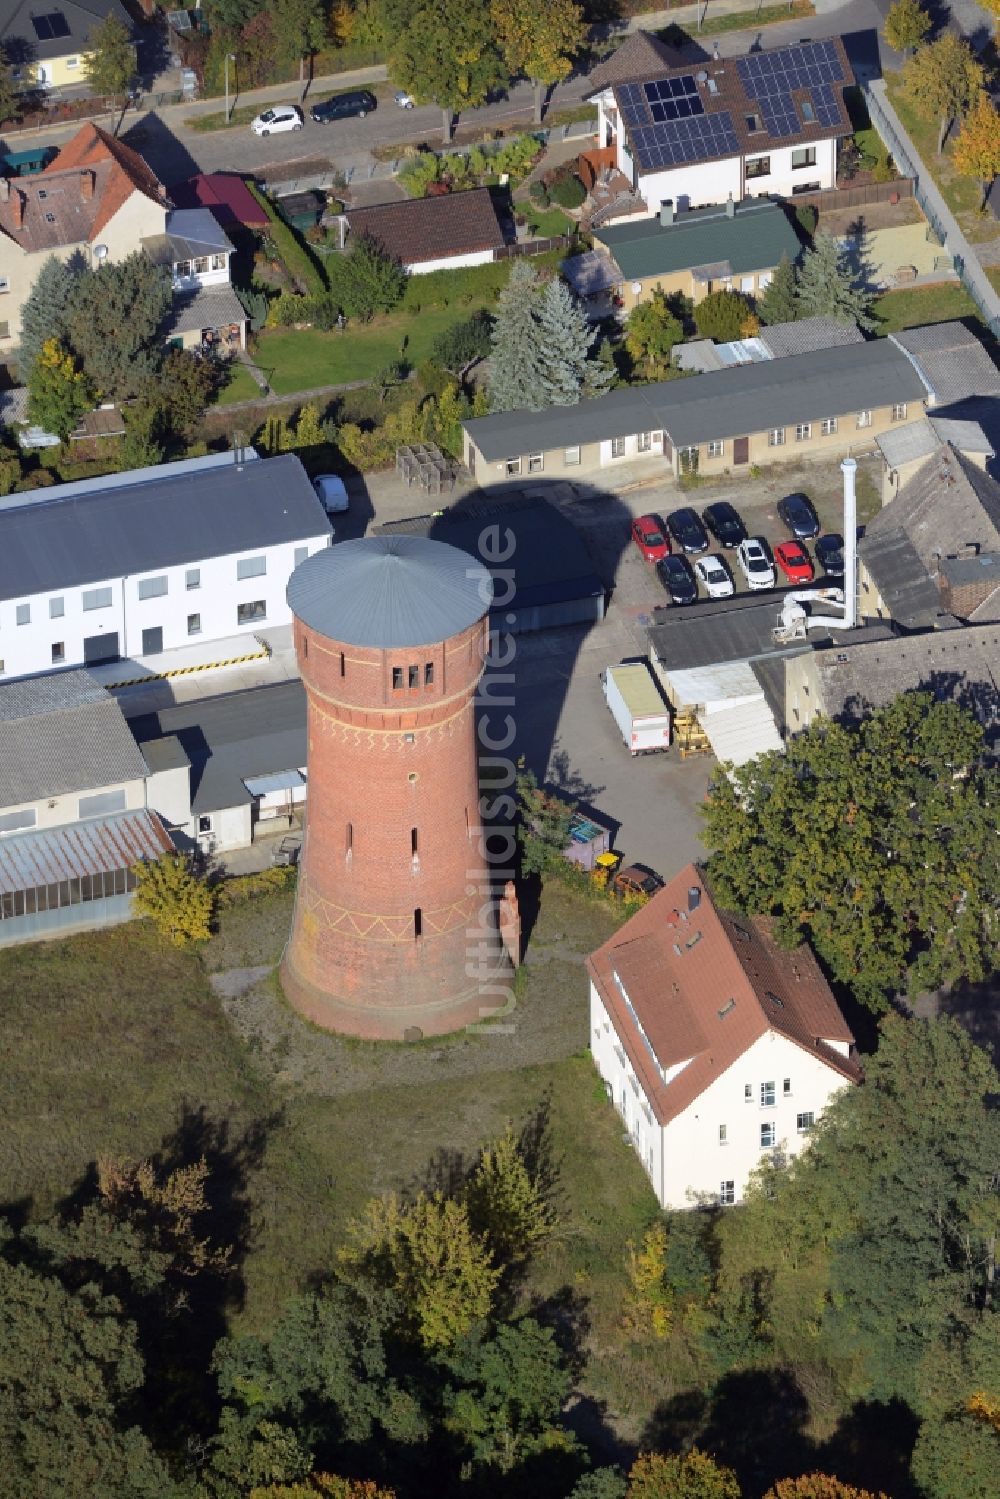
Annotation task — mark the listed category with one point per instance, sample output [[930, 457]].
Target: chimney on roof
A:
[[694, 897], [86, 185], [730, 207], [666, 215]]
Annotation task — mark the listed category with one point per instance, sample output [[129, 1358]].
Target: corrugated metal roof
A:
[[62, 733], [98, 846], [953, 361], [280, 780], [164, 520], [390, 591], [742, 732]]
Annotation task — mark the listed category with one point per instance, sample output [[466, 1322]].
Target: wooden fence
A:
[[535, 246], [861, 196]]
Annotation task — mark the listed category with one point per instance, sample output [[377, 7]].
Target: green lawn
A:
[[963, 195], [546, 222], [743, 20], [241, 387], [911, 307]]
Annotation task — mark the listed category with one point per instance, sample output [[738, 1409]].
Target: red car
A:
[[794, 561], [650, 537]]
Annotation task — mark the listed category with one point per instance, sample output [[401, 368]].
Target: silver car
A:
[[754, 563]]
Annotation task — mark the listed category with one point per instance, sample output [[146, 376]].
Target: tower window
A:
[[413, 843], [349, 849], [305, 645], [397, 678], [342, 664], [414, 676], [429, 674], [418, 924]]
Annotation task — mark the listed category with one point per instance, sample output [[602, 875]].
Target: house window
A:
[[803, 431], [4, 283], [899, 411], [72, 62], [152, 588], [182, 268], [764, 279], [722, 1134], [758, 166], [413, 676], [397, 678], [767, 1095], [644, 442], [767, 1136], [805, 1122], [748, 1092], [301, 553], [727, 1194], [688, 458], [429, 674], [4, 330], [786, 1087], [194, 624], [252, 613], [13, 822], [776, 437], [95, 598], [829, 426], [536, 462], [513, 467], [102, 803], [618, 447], [57, 608], [746, 285], [218, 262], [413, 843], [192, 578], [205, 823], [201, 265], [250, 567], [58, 652], [23, 614], [805, 157], [864, 418], [754, 124], [716, 448], [571, 456], [809, 115]]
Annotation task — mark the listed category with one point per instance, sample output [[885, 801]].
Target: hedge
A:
[[299, 260]]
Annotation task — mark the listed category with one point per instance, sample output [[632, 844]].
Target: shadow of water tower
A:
[[395, 932]]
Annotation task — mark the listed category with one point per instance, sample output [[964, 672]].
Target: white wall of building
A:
[[627, 449], [191, 279], [450, 262], [57, 811], [695, 186], [785, 177], [689, 1159], [215, 599]]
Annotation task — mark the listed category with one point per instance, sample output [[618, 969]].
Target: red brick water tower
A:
[[393, 914]]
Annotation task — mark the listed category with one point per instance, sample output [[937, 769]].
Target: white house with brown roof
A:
[[718, 1049], [766, 124], [95, 202], [436, 233]]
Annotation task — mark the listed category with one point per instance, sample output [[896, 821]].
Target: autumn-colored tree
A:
[[58, 393], [447, 55], [819, 1486], [906, 25], [172, 1204], [324, 1486], [943, 80], [309, 428], [506, 1205], [651, 331], [693, 1476], [109, 58], [976, 152], [538, 41], [649, 1299], [341, 23], [427, 1252], [177, 900]]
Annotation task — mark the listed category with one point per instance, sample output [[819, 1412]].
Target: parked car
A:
[[280, 117], [403, 99], [755, 565], [798, 515], [714, 576], [830, 555], [794, 561], [725, 524], [636, 879], [650, 537], [331, 492], [353, 105], [687, 530], [677, 578]]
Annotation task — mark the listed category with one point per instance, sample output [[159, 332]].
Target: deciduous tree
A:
[[906, 25], [543, 824], [649, 1300], [447, 55], [115, 324], [723, 315], [506, 1205], [976, 152], [367, 279], [109, 59], [651, 332], [10, 94], [693, 1476], [177, 900], [300, 28], [505, 1393], [829, 286], [325, 1486], [943, 80], [58, 392], [538, 41], [818, 1486], [779, 301]]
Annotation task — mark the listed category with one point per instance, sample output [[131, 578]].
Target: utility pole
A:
[[230, 57]]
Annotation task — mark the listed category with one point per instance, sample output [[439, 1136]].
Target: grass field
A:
[[241, 387], [912, 306], [963, 195], [110, 1038]]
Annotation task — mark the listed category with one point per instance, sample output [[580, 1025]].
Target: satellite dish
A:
[[100, 253], [702, 77]]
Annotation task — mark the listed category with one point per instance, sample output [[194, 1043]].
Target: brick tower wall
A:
[[392, 884]]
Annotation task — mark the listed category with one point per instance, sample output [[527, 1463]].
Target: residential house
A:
[[74, 816], [436, 233], [904, 449], [735, 247], [720, 1050], [206, 312], [96, 202], [822, 404], [765, 124], [934, 549], [48, 49], [138, 564], [226, 194]]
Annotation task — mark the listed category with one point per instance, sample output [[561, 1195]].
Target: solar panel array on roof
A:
[[668, 124], [771, 77], [673, 98]]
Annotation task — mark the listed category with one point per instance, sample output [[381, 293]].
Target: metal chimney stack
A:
[[849, 470]]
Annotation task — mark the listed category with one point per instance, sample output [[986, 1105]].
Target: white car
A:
[[280, 117], [713, 574], [404, 100], [331, 492], [754, 564]]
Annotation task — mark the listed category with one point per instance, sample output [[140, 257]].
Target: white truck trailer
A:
[[637, 707]]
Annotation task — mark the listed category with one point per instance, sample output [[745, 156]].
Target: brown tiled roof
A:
[[731, 97], [641, 55], [77, 194], [704, 985], [419, 229]]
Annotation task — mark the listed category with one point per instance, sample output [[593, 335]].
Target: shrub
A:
[[289, 308], [569, 193], [170, 893], [242, 888], [298, 259], [722, 315], [419, 172], [432, 378], [367, 280], [463, 342], [538, 193], [883, 170], [807, 217], [474, 283]]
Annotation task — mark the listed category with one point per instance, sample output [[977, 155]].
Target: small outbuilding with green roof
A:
[[735, 246]]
